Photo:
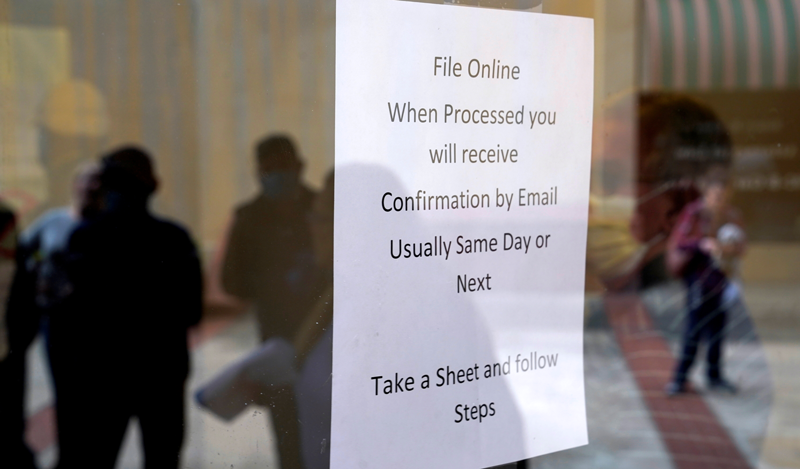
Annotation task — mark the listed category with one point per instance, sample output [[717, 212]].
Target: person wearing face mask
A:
[[268, 375], [269, 259], [269, 262]]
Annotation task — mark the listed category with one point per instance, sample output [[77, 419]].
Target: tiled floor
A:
[[782, 441]]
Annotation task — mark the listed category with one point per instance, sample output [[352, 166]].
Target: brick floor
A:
[[691, 432]]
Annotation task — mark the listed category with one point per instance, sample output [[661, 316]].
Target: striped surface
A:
[[263, 66], [196, 81], [721, 44], [692, 433], [138, 54]]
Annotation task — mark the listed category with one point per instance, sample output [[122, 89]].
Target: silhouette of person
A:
[[39, 281], [696, 254], [8, 240], [678, 140], [118, 343], [45, 241], [268, 259], [15, 335], [268, 375]]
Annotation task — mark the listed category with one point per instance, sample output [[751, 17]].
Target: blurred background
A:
[[200, 82]]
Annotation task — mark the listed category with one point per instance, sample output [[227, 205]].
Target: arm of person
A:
[[684, 242], [190, 287], [22, 314], [236, 265], [739, 248]]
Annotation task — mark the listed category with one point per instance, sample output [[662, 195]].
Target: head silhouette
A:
[[679, 138], [86, 190], [127, 178], [278, 167], [277, 153]]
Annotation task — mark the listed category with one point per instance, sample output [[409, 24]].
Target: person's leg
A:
[[716, 337], [13, 450], [691, 335], [22, 324], [284, 416], [161, 415], [738, 324], [272, 370], [91, 426], [715, 330], [287, 431]]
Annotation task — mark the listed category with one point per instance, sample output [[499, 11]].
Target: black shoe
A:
[[722, 385], [674, 388]]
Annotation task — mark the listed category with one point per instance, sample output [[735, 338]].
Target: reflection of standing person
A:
[[268, 375], [269, 261], [13, 342], [695, 254], [46, 239], [268, 258], [8, 238], [678, 140], [39, 280], [119, 345]]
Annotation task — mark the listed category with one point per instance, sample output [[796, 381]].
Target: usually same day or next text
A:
[[440, 247]]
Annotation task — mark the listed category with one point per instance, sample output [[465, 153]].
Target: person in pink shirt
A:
[[695, 254]]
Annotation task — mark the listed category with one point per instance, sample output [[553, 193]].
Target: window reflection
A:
[[233, 104]]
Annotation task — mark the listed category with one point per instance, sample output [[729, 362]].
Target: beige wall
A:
[[772, 263], [262, 66]]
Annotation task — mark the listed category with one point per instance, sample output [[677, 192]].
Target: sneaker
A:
[[674, 388], [722, 385]]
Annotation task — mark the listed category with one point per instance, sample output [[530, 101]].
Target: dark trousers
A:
[[93, 416], [13, 451], [22, 322], [283, 408], [706, 319]]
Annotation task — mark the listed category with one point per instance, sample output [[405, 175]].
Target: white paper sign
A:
[[463, 141]]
